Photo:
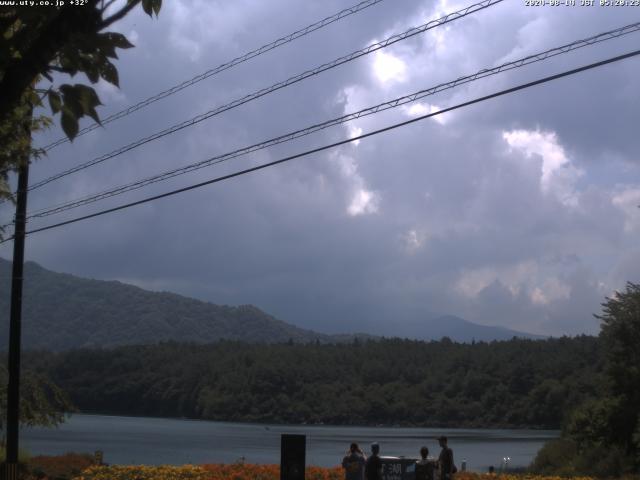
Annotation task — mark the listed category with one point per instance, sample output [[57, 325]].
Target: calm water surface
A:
[[154, 441]]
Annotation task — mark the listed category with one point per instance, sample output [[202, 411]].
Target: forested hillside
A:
[[62, 311], [515, 383]]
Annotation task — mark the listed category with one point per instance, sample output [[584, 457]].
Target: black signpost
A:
[[292, 456]]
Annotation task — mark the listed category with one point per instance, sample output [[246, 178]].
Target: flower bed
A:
[[59, 467], [143, 472], [204, 472]]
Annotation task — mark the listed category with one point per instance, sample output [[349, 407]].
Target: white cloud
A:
[[528, 278], [363, 202], [472, 282], [198, 26], [133, 37], [558, 175], [388, 68], [513, 277], [419, 109], [551, 290], [413, 240], [109, 94], [355, 132], [628, 200], [531, 38]]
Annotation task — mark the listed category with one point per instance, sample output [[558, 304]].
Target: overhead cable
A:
[[277, 86], [221, 68], [601, 37], [342, 142]]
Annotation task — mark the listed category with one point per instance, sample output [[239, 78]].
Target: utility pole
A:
[[15, 322]]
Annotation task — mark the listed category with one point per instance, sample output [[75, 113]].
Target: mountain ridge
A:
[[62, 311]]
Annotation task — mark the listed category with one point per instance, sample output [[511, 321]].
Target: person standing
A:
[[373, 467], [353, 463], [445, 460], [425, 466]]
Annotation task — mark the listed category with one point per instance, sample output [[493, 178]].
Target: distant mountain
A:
[[456, 329], [62, 311]]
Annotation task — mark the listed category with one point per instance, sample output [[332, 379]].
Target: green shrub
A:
[[556, 457], [23, 455]]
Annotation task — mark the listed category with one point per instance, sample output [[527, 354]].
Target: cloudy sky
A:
[[520, 211]]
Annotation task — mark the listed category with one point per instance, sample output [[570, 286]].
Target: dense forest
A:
[[516, 383]]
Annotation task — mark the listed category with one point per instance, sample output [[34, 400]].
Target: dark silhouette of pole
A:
[[15, 324]]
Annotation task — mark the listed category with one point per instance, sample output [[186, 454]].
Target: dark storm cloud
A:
[[516, 212]]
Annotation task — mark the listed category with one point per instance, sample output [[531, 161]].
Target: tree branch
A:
[[103, 7], [118, 15]]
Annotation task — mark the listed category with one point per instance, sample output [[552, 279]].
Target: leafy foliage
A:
[[620, 334], [15, 137], [556, 457], [605, 429], [383, 382], [42, 402], [39, 42]]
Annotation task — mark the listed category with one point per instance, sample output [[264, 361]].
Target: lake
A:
[[154, 441]]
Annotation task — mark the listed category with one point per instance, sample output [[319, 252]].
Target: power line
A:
[[601, 37], [342, 142], [222, 67], [277, 86]]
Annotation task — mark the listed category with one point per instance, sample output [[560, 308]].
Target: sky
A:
[[521, 211]]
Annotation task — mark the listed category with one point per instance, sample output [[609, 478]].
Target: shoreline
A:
[[321, 425]]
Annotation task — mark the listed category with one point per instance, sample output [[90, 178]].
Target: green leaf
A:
[[80, 100], [117, 40], [88, 99], [94, 115], [34, 98], [147, 7], [69, 123], [68, 64], [91, 70], [107, 48], [110, 73], [71, 100], [151, 6], [55, 101]]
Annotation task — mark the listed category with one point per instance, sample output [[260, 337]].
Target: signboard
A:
[[398, 468]]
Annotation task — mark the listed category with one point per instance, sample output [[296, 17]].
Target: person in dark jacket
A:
[[373, 467], [445, 460], [353, 463], [425, 467]]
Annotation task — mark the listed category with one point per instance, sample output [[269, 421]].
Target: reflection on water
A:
[[135, 440]]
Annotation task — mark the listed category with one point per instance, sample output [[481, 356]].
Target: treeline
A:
[[601, 436], [517, 383]]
